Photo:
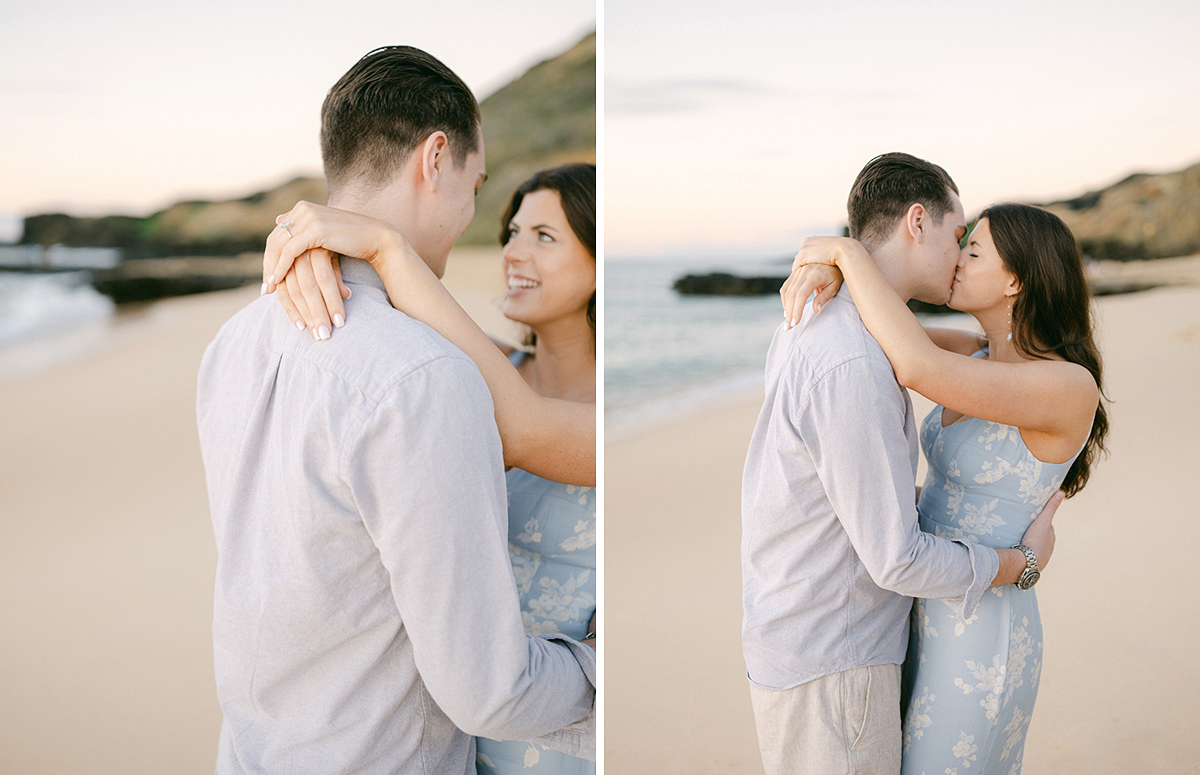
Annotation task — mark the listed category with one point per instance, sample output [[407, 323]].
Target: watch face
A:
[[1028, 579]]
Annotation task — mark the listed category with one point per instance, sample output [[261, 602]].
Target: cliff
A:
[[544, 118], [1142, 216]]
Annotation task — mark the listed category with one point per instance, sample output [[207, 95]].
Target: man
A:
[[366, 618], [831, 550]]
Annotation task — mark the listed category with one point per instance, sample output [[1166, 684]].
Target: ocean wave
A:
[[33, 305]]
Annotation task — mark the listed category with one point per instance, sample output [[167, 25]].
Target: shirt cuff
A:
[[985, 564], [577, 739]]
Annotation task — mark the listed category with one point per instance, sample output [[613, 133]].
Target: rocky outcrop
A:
[[234, 225], [723, 284], [183, 229], [150, 279], [1142, 216]]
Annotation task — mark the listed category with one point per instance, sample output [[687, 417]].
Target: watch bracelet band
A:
[[1030, 557], [1030, 575]]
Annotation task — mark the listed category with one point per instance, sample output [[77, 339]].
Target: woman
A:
[[542, 405], [1018, 419]]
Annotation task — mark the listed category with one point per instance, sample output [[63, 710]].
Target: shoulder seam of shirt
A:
[[385, 386], [870, 360], [352, 430]]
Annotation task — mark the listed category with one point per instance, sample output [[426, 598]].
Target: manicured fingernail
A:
[[263, 291], [299, 325], [323, 332], [793, 322], [338, 321], [271, 280], [314, 335]]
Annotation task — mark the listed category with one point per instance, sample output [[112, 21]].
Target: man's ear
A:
[[916, 221], [435, 154]]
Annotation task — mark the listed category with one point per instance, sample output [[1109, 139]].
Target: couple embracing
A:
[[388, 598], [837, 539]]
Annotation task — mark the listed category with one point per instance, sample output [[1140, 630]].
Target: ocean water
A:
[[664, 352], [47, 317]]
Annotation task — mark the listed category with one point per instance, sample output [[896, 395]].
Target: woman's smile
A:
[[519, 285]]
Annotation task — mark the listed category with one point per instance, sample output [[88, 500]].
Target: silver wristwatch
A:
[[1031, 574]]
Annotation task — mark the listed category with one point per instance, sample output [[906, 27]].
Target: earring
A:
[[1010, 318]]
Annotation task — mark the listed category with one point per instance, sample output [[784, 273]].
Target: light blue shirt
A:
[[831, 548], [365, 618]]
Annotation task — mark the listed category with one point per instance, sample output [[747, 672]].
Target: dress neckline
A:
[[965, 418], [959, 421], [941, 415]]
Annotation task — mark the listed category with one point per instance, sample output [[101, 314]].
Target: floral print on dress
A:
[[552, 540], [584, 538], [984, 486]]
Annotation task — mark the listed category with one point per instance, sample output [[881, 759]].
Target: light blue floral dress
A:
[[970, 684], [552, 543]]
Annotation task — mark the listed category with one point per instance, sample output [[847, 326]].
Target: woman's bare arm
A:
[[552, 438], [1055, 397], [955, 339]]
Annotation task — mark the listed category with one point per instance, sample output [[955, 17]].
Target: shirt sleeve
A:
[[578, 739], [427, 473], [852, 421]]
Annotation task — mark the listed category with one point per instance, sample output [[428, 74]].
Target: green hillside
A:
[[544, 118]]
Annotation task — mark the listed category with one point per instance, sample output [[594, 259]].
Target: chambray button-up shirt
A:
[[831, 549], [365, 617]]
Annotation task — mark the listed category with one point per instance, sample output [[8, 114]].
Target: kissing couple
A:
[[389, 599], [890, 628]]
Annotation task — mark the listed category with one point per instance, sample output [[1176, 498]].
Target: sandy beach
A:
[[1118, 603], [106, 549]]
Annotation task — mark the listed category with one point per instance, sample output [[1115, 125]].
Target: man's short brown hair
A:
[[385, 106], [887, 187]]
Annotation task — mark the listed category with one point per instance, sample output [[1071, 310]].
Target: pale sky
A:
[[734, 129], [129, 106]]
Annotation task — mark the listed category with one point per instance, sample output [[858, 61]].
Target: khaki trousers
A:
[[845, 723]]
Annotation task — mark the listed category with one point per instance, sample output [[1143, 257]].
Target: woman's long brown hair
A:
[[1052, 313]]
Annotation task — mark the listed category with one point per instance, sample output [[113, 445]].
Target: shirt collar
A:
[[843, 294], [360, 272]]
